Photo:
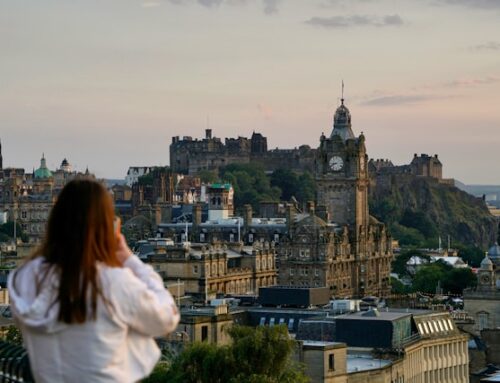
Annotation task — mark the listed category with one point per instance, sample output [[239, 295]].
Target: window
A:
[[195, 269], [331, 362], [420, 328], [204, 333], [231, 237], [276, 238], [202, 237], [250, 237], [262, 321], [440, 325], [24, 214], [316, 272], [450, 324], [264, 264], [291, 271], [282, 320], [290, 324], [271, 322], [482, 320]]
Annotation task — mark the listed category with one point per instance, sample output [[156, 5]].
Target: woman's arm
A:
[[145, 303]]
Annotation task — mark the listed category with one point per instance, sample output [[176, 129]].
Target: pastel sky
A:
[[107, 83]]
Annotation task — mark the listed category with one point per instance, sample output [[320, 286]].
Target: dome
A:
[[65, 166], [342, 123], [486, 263], [494, 251], [43, 171], [342, 116]]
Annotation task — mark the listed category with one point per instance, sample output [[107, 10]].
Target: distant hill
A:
[[424, 208]]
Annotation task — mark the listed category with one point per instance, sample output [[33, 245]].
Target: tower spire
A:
[[342, 99]]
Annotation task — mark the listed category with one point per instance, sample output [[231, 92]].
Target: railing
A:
[[14, 364]]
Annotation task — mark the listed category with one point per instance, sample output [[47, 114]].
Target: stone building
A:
[[191, 156], [352, 250], [338, 244], [483, 302], [421, 347], [210, 269], [28, 197]]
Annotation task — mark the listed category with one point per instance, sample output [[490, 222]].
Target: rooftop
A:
[[364, 362]]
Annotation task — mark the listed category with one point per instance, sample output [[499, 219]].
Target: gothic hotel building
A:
[[337, 244]]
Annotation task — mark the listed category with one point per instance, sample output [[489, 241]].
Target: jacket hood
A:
[[33, 292]]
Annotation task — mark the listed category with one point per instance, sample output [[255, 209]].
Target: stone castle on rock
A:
[[335, 243]]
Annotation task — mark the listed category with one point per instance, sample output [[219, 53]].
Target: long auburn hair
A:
[[80, 233]]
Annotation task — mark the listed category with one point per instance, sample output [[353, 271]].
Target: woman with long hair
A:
[[87, 307]]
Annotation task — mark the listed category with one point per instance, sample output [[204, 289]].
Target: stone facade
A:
[[29, 197], [483, 302], [341, 247], [433, 357], [209, 269], [190, 156]]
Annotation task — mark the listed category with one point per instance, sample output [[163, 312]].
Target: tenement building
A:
[[210, 269]]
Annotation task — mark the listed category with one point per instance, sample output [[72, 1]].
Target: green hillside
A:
[[419, 209]]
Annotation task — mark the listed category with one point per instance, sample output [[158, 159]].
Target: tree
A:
[[427, 278], [13, 335], [397, 287], [471, 254], [256, 355], [7, 232], [456, 280], [407, 236], [399, 264], [208, 176], [302, 187], [419, 221], [250, 183]]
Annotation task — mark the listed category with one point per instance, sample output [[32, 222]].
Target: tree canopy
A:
[[256, 355]]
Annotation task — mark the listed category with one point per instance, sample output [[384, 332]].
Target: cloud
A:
[[398, 100], [355, 20], [489, 46], [470, 82], [271, 6], [481, 4], [150, 4]]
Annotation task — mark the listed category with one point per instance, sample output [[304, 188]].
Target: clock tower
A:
[[342, 175], [486, 275]]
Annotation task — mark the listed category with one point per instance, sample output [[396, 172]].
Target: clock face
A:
[[336, 163], [485, 279]]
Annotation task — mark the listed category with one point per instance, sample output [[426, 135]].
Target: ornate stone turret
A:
[[342, 123], [486, 275]]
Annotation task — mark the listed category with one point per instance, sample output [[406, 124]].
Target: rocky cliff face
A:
[[443, 208]]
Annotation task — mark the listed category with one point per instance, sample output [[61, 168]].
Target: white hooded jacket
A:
[[116, 347]]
